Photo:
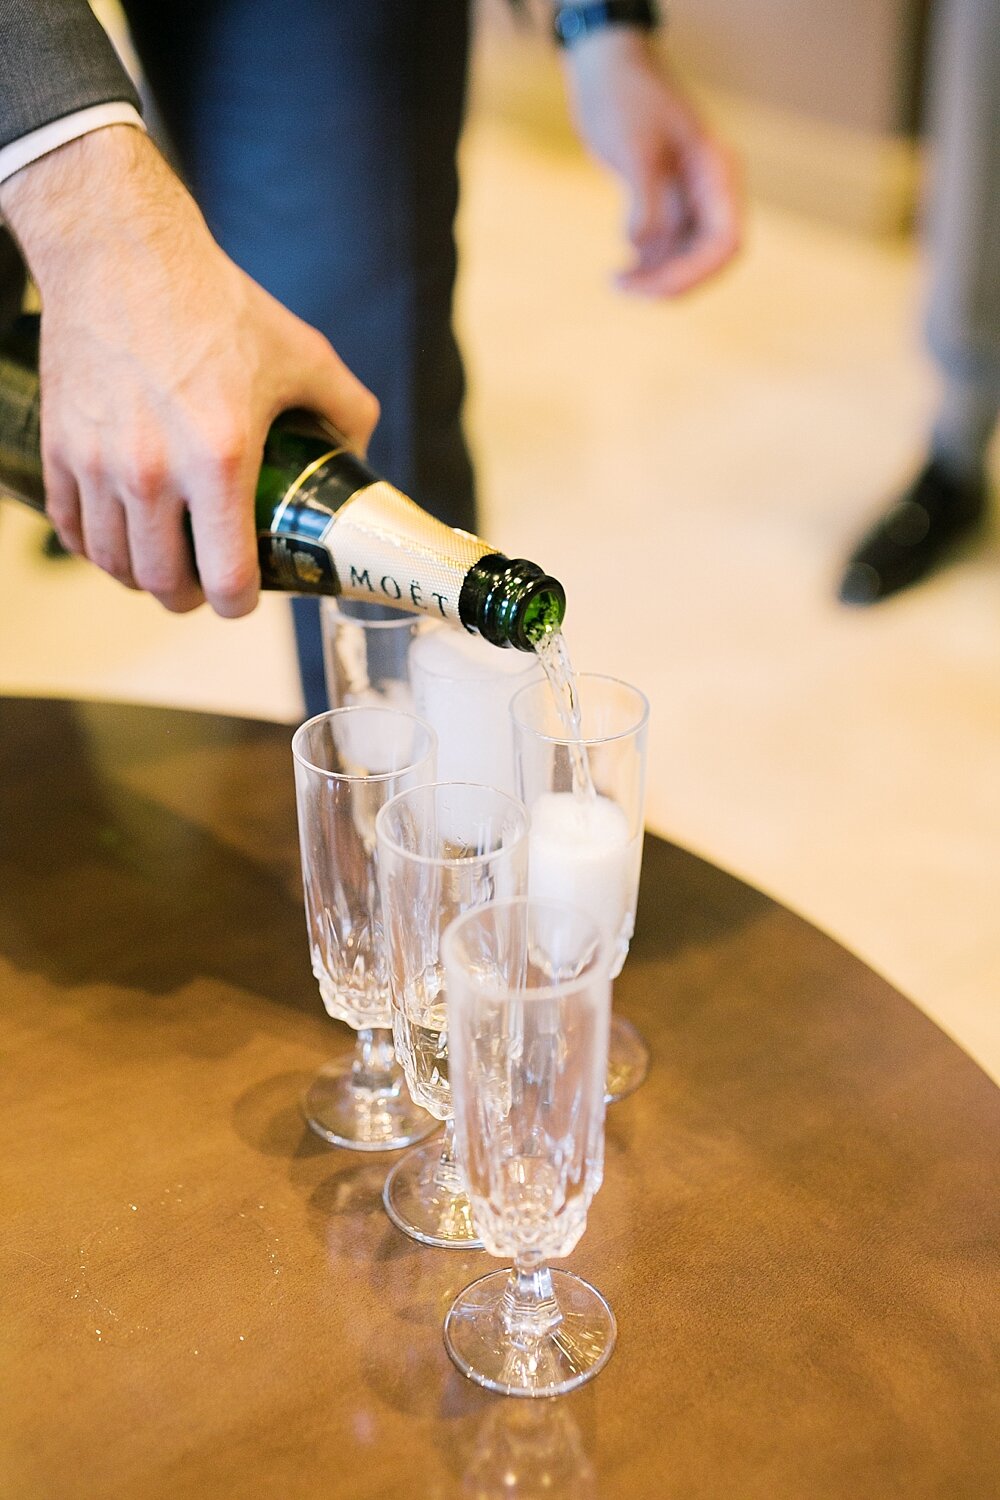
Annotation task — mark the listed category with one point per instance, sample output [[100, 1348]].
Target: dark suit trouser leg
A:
[[964, 228], [319, 137]]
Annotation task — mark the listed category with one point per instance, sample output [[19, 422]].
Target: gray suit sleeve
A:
[[55, 58]]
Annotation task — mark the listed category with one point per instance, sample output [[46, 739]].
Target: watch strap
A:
[[573, 21]]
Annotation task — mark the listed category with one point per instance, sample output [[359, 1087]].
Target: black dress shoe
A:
[[910, 539]]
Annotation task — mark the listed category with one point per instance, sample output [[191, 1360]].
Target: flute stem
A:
[[373, 1067], [447, 1174], [529, 1309]]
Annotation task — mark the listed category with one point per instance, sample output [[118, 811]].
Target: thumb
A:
[[323, 384], [645, 211]]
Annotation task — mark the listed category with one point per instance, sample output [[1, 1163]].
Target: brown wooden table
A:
[[798, 1233]]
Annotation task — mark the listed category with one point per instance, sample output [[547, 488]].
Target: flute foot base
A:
[[363, 1119], [628, 1060], [573, 1351], [425, 1210]]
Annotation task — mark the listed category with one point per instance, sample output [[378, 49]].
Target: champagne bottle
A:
[[326, 522]]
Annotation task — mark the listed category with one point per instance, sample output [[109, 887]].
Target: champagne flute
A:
[[528, 1009], [348, 763], [463, 687], [586, 844], [366, 654], [442, 850]]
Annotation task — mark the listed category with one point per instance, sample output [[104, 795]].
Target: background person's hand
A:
[[162, 367], [683, 203]]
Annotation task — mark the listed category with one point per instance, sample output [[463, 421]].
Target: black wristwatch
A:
[[571, 22]]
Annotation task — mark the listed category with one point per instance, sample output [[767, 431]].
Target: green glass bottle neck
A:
[[511, 602], [297, 467], [307, 479], [20, 437]]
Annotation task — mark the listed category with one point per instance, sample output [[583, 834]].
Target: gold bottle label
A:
[[386, 549]]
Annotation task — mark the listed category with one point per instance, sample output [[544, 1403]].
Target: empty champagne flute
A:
[[348, 762], [528, 1008], [442, 850], [586, 839]]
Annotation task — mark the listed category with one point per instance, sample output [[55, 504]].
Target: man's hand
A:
[[683, 205], [162, 367]]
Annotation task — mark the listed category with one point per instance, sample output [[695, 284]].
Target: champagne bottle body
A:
[[327, 523]]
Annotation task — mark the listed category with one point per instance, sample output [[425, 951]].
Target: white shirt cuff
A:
[[36, 143]]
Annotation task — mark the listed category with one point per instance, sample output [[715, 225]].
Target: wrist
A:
[[614, 48], [73, 204], [602, 64]]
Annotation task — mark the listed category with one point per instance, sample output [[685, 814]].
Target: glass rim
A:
[[331, 604], [599, 964], [457, 861], [585, 739], [362, 708]]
